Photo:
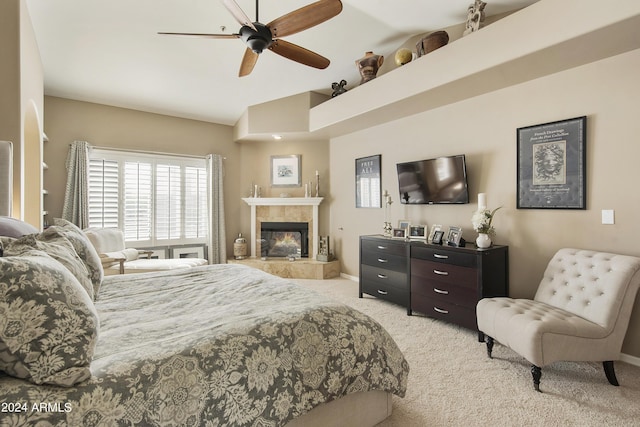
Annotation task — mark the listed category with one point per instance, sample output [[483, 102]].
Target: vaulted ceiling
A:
[[109, 52]]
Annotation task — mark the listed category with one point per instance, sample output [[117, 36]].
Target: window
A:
[[154, 199]]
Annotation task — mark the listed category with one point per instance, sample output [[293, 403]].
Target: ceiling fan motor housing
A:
[[259, 40]]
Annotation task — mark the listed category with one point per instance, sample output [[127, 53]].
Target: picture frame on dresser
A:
[[551, 168], [417, 231], [432, 232], [399, 233], [437, 237], [454, 236]]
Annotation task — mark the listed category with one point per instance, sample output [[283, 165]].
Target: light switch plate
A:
[[608, 216]]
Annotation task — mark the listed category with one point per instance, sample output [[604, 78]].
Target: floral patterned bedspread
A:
[[212, 346]]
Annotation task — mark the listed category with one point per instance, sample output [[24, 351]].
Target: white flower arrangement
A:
[[482, 219]]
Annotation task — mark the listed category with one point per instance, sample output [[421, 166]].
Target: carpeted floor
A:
[[453, 383]]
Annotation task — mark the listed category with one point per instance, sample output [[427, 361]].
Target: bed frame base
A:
[[364, 409]]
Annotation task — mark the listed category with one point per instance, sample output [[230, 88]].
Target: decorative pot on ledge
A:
[[369, 65], [483, 241], [432, 42]]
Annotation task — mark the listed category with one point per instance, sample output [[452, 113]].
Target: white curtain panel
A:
[[76, 195], [215, 195]]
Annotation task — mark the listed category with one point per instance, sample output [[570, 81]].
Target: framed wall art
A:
[[368, 182], [552, 165], [285, 171]]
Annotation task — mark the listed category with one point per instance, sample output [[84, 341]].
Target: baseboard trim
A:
[[347, 276], [632, 360]]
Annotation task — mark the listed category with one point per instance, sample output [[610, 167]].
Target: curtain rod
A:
[[160, 153]]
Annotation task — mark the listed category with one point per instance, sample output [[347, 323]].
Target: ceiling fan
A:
[[258, 36]]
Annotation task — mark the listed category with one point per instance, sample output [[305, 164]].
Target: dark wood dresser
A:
[[443, 282], [384, 269]]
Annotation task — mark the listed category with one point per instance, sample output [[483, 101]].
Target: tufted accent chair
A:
[[580, 312]]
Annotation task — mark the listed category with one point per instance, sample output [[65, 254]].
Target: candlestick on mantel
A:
[[482, 201]]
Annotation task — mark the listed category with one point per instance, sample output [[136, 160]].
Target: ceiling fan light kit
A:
[[258, 36]]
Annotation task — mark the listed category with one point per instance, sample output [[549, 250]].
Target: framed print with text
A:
[[368, 183], [552, 165]]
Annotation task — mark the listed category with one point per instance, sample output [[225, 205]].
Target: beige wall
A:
[[246, 163], [104, 126], [484, 128]]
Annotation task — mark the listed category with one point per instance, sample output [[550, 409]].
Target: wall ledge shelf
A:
[[486, 61]]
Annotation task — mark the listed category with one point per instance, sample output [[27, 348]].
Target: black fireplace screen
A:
[[284, 239]]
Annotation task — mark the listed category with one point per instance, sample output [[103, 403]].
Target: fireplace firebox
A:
[[284, 239]]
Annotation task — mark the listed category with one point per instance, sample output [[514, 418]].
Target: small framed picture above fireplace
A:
[[285, 171]]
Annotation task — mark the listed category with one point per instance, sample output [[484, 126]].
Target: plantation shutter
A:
[[195, 217], [138, 180], [168, 201], [103, 193], [155, 199]]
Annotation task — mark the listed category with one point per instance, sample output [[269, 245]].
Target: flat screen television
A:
[[442, 180]]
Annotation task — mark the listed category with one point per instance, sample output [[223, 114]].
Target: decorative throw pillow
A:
[[59, 248], [85, 250], [12, 227], [48, 323]]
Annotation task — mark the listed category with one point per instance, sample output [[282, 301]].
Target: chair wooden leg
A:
[[610, 372], [536, 372], [489, 342]]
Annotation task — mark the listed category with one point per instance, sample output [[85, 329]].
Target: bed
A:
[[212, 345]]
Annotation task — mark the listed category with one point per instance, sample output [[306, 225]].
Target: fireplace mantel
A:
[[312, 202]]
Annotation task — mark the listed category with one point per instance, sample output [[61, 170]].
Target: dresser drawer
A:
[[443, 255], [439, 309], [386, 292], [431, 271], [384, 246], [388, 261], [383, 277], [446, 292]]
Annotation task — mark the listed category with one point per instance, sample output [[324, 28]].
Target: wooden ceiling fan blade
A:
[[248, 62], [305, 17], [238, 13], [299, 54], [203, 35]]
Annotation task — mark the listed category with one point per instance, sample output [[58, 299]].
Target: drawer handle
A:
[[441, 256], [382, 247], [439, 310], [382, 276], [382, 292], [441, 273], [382, 260], [440, 291]]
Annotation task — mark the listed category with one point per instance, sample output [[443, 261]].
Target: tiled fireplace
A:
[[283, 210], [296, 215]]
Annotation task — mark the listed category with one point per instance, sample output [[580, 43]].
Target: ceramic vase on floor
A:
[[483, 241]]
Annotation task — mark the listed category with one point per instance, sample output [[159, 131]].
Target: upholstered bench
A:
[[116, 259]]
